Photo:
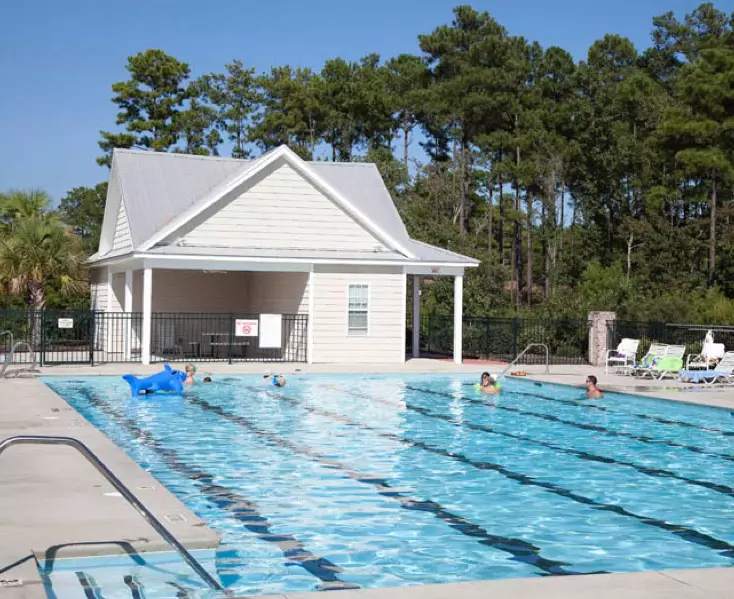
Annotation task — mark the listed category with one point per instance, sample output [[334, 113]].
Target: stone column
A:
[[598, 333]]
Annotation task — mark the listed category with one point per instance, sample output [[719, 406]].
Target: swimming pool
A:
[[340, 482]]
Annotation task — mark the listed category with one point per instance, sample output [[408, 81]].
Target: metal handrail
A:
[[9, 358], [123, 490], [523, 352]]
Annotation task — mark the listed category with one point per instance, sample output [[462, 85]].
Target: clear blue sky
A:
[[58, 58]]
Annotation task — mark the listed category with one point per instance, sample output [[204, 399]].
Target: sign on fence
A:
[[271, 335], [66, 323], [245, 327]]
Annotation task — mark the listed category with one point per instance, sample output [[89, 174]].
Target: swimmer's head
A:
[[207, 379], [279, 381], [487, 379], [190, 369]]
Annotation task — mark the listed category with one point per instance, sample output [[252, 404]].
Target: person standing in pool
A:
[[488, 385], [592, 391]]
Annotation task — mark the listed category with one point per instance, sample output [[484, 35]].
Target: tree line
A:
[[602, 183]]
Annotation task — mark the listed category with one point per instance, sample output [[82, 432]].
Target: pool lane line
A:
[[520, 550], [584, 455], [650, 417], [688, 534], [582, 425], [245, 511]]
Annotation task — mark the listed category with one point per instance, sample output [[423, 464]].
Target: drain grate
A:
[[175, 517], [10, 582]]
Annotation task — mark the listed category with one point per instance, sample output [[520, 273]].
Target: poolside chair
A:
[[656, 351], [666, 366], [625, 354], [710, 354], [723, 373]]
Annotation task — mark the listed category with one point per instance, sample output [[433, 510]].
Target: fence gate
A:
[[66, 336]]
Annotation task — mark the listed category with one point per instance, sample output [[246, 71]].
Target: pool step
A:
[[139, 576]]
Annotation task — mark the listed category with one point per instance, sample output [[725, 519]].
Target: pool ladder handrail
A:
[[33, 368], [523, 352], [123, 490]]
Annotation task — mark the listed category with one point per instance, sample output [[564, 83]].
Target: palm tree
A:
[[16, 204], [35, 249]]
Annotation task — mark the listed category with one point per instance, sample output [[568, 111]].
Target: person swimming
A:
[[276, 380], [488, 385], [207, 379], [592, 391]]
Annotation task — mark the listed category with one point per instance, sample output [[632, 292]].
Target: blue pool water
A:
[[335, 482]]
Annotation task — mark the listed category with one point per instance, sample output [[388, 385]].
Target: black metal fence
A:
[[503, 338], [690, 335], [89, 337], [217, 337]]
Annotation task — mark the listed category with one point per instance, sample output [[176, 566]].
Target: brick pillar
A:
[[598, 331]]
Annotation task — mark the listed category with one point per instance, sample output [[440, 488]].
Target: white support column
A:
[[127, 309], [107, 322], [309, 328], [458, 317], [416, 316], [147, 313]]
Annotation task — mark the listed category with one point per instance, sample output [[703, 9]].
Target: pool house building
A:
[[274, 258]]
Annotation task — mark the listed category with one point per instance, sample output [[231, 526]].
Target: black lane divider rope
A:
[[242, 509], [520, 550], [583, 426], [584, 455], [650, 417], [688, 534]]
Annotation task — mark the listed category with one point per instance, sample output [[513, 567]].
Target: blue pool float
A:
[[168, 380]]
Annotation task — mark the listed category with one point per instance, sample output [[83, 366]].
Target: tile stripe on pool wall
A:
[[241, 508], [688, 534], [584, 455], [650, 417], [581, 425], [520, 550]]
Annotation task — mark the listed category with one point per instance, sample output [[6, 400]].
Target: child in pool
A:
[[190, 370], [276, 380], [488, 386]]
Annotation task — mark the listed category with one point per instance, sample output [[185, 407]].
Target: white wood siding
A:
[[122, 240], [196, 291], [282, 211], [98, 288], [278, 292], [385, 341], [111, 212]]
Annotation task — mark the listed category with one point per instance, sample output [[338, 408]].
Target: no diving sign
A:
[[245, 327]]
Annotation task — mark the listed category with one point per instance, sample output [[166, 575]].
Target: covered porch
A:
[[416, 275], [155, 312]]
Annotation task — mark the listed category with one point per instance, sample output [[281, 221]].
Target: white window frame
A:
[[359, 332]]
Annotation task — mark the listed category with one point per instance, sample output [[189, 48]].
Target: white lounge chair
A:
[[625, 354], [723, 373], [710, 354], [644, 368], [670, 368]]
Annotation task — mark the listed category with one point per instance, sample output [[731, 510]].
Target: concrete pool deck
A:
[[51, 497], [55, 502]]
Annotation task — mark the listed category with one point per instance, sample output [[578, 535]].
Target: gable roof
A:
[[163, 191]]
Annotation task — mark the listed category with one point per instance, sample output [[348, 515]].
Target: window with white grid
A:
[[359, 299]]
